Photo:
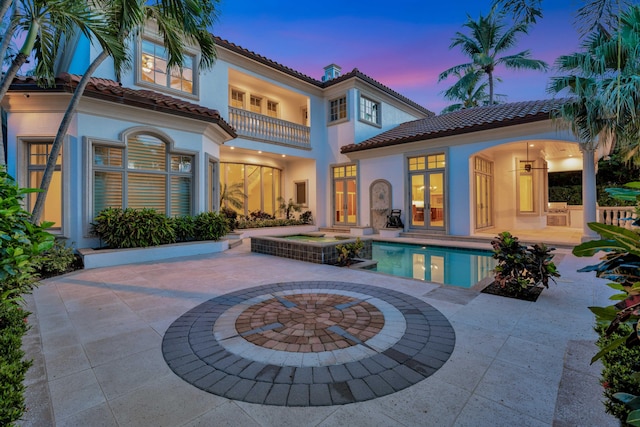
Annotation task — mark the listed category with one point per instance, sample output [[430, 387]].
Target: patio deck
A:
[[97, 345]]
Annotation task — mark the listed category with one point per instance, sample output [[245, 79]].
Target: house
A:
[[346, 147]]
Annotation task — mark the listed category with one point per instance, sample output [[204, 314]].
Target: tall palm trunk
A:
[[4, 6], [4, 46], [490, 78], [62, 132]]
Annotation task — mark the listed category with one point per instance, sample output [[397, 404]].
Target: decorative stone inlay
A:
[[308, 343], [310, 323]]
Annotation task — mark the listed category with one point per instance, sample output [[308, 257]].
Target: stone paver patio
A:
[[106, 345]]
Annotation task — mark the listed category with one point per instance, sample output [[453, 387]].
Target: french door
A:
[[483, 178], [427, 192], [345, 195]]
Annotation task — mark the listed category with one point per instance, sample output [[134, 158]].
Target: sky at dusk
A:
[[402, 44]]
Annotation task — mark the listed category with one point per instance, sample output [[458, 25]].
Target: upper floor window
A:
[[153, 65], [256, 104], [237, 98], [369, 110], [272, 108], [338, 109]]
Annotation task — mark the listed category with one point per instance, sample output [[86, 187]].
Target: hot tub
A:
[[312, 247]]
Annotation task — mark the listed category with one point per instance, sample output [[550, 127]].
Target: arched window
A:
[[142, 174]]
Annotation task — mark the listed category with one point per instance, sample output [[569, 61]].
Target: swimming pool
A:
[[449, 266]]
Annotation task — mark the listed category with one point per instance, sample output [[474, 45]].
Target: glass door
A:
[[345, 195], [426, 181], [483, 173]]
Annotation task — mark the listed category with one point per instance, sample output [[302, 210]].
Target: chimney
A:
[[331, 72]]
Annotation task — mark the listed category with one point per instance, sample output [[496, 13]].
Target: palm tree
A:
[[180, 23], [604, 108], [469, 90], [489, 39], [44, 21], [233, 195], [590, 16], [603, 82]]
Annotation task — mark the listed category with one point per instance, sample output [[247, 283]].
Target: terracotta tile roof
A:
[[461, 122], [112, 91], [355, 73]]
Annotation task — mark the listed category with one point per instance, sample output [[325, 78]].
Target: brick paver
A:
[[308, 343]]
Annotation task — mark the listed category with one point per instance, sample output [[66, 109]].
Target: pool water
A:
[[449, 266]]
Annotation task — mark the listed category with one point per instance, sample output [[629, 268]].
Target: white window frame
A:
[[91, 143], [338, 119], [233, 91], [23, 177], [366, 103], [276, 111], [195, 58]]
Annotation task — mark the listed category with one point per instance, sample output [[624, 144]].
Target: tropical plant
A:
[[56, 260], [347, 252], [20, 243], [488, 39], [210, 226], [233, 195], [180, 23], [306, 217], [520, 269], [593, 14], [470, 91], [45, 23], [13, 366], [131, 228], [618, 324], [602, 82], [288, 207]]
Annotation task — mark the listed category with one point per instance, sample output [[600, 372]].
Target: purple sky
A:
[[404, 45]]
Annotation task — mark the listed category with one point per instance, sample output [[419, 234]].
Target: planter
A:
[[95, 258], [531, 294]]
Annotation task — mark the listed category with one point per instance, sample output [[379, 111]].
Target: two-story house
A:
[[345, 147]]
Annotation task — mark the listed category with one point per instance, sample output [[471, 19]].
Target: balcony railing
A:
[[269, 129], [622, 216]]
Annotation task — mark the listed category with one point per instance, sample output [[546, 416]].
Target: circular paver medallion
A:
[[308, 343]]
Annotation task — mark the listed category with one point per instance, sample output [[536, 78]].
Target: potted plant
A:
[[521, 272]]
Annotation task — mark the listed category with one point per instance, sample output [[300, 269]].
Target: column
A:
[[589, 198]]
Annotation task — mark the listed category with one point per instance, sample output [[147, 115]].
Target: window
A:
[[142, 174], [272, 109], [525, 188], [338, 109], [153, 67], [433, 161], [369, 110], [237, 98], [300, 193], [37, 155], [250, 188], [256, 104]]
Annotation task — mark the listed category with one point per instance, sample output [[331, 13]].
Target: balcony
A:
[[269, 129]]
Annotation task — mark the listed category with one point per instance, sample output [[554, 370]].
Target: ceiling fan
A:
[[528, 164]]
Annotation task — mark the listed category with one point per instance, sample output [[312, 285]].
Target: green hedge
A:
[[618, 367], [131, 228], [13, 367], [572, 194]]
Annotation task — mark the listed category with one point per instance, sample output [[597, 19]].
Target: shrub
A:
[[12, 366], [348, 251], [520, 268], [21, 241], [288, 208], [56, 260], [210, 226], [184, 227], [619, 365], [258, 215], [232, 217], [306, 217], [131, 228], [279, 222]]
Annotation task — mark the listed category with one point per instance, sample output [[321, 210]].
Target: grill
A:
[[558, 214]]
